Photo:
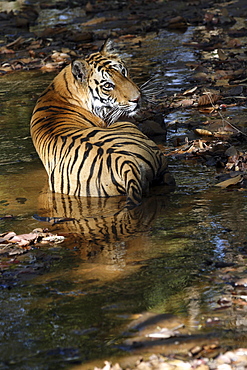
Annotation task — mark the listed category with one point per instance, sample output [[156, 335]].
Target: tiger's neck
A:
[[64, 101], [64, 90], [55, 116]]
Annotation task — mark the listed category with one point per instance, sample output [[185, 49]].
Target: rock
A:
[[153, 128]]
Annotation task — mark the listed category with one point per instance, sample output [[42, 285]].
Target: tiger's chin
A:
[[112, 115], [134, 113]]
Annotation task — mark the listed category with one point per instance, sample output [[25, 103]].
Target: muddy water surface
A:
[[177, 255]]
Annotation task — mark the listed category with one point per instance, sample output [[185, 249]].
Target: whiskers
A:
[[150, 90], [113, 115]]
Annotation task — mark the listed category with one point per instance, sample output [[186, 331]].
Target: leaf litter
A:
[[12, 244]]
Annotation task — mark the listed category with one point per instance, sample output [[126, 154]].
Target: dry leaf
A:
[[24, 240], [186, 102], [94, 21], [203, 132], [234, 43], [53, 239], [89, 7], [223, 82], [240, 301], [208, 99], [231, 181], [207, 110], [4, 50], [221, 54], [190, 91], [241, 282], [36, 44], [59, 57], [177, 22], [49, 67]]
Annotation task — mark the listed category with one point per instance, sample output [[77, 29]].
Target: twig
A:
[[222, 117]]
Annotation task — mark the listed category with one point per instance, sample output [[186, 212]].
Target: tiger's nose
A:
[[135, 100]]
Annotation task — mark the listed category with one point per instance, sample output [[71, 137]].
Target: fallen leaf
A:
[[89, 7], [195, 350], [232, 181], [23, 240], [221, 54], [4, 50], [222, 82], [208, 99], [241, 282], [207, 110], [94, 21], [234, 43], [36, 44], [53, 239], [203, 132], [49, 67], [186, 102], [190, 91], [60, 57], [177, 22], [7, 236], [240, 301]]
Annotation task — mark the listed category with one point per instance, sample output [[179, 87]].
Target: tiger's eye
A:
[[124, 72], [108, 86]]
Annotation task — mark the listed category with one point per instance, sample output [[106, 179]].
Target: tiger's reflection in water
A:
[[102, 228]]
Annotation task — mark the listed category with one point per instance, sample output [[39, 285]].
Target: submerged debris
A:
[[11, 243], [16, 264]]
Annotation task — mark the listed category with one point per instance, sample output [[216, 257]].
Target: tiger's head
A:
[[104, 78]]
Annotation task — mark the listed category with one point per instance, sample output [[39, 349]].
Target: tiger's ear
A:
[[108, 48], [79, 69]]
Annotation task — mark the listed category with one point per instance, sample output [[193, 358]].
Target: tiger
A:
[[79, 132]]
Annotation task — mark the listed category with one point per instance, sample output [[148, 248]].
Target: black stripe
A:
[[76, 155]]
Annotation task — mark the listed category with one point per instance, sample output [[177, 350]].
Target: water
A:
[[72, 302]]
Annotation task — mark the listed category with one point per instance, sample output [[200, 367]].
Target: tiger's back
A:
[[84, 152]]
